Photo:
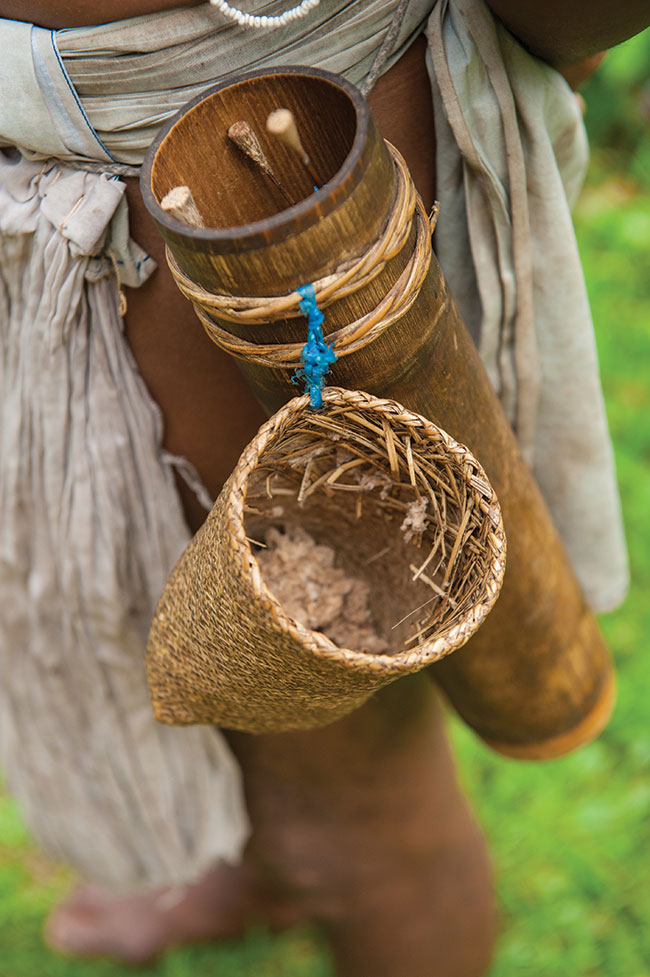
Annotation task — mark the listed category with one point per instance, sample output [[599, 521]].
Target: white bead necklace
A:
[[248, 20]]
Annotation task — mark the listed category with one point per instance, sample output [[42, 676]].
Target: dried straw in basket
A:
[[221, 648]]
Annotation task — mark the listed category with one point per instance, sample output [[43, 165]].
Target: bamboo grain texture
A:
[[536, 680]]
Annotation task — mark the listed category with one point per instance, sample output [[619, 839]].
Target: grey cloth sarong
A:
[[102, 92], [91, 526], [90, 523]]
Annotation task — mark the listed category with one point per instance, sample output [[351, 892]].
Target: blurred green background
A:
[[571, 839]]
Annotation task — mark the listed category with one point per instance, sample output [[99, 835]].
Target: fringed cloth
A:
[[91, 522]]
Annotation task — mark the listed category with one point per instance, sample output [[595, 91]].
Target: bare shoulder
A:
[[565, 31], [81, 13]]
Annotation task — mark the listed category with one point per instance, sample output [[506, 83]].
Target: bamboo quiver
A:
[[536, 679]]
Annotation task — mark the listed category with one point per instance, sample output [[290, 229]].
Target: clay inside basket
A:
[[423, 575]]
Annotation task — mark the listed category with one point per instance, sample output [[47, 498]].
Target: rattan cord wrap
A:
[[221, 648], [349, 277]]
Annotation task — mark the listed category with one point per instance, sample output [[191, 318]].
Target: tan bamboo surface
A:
[[536, 680], [223, 650]]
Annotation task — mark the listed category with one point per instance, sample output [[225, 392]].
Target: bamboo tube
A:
[[536, 680]]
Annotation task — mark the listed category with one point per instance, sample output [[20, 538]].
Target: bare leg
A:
[[360, 827], [364, 826]]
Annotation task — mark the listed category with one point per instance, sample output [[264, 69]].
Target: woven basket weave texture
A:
[[221, 648]]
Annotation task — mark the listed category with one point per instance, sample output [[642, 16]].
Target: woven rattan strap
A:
[[348, 278]]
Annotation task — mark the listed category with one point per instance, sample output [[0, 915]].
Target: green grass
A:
[[571, 839]]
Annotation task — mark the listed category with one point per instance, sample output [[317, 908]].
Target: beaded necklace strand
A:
[[267, 23]]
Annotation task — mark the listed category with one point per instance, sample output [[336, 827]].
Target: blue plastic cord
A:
[[316, 355]]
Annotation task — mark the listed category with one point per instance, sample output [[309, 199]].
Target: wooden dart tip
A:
[[241, 134], [245, 139], [180, 203], [282, 124]]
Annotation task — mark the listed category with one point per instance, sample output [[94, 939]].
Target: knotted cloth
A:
[[91, 526], [89, 516]]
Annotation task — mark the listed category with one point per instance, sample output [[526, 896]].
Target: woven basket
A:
[[222, 649]]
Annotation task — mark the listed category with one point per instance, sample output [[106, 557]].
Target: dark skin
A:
[[360, 826], [559, 31]]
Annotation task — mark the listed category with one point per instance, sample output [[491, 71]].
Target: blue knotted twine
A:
[[316, 355]]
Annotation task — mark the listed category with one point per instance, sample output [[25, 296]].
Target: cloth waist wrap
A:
[[90, 519]]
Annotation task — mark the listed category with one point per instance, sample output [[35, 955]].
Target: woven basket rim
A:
[[315, 642]]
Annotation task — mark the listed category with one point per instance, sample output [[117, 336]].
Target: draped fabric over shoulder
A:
[[90, 521], [511, 158]]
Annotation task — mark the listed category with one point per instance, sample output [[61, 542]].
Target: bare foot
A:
[[137, 928]]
